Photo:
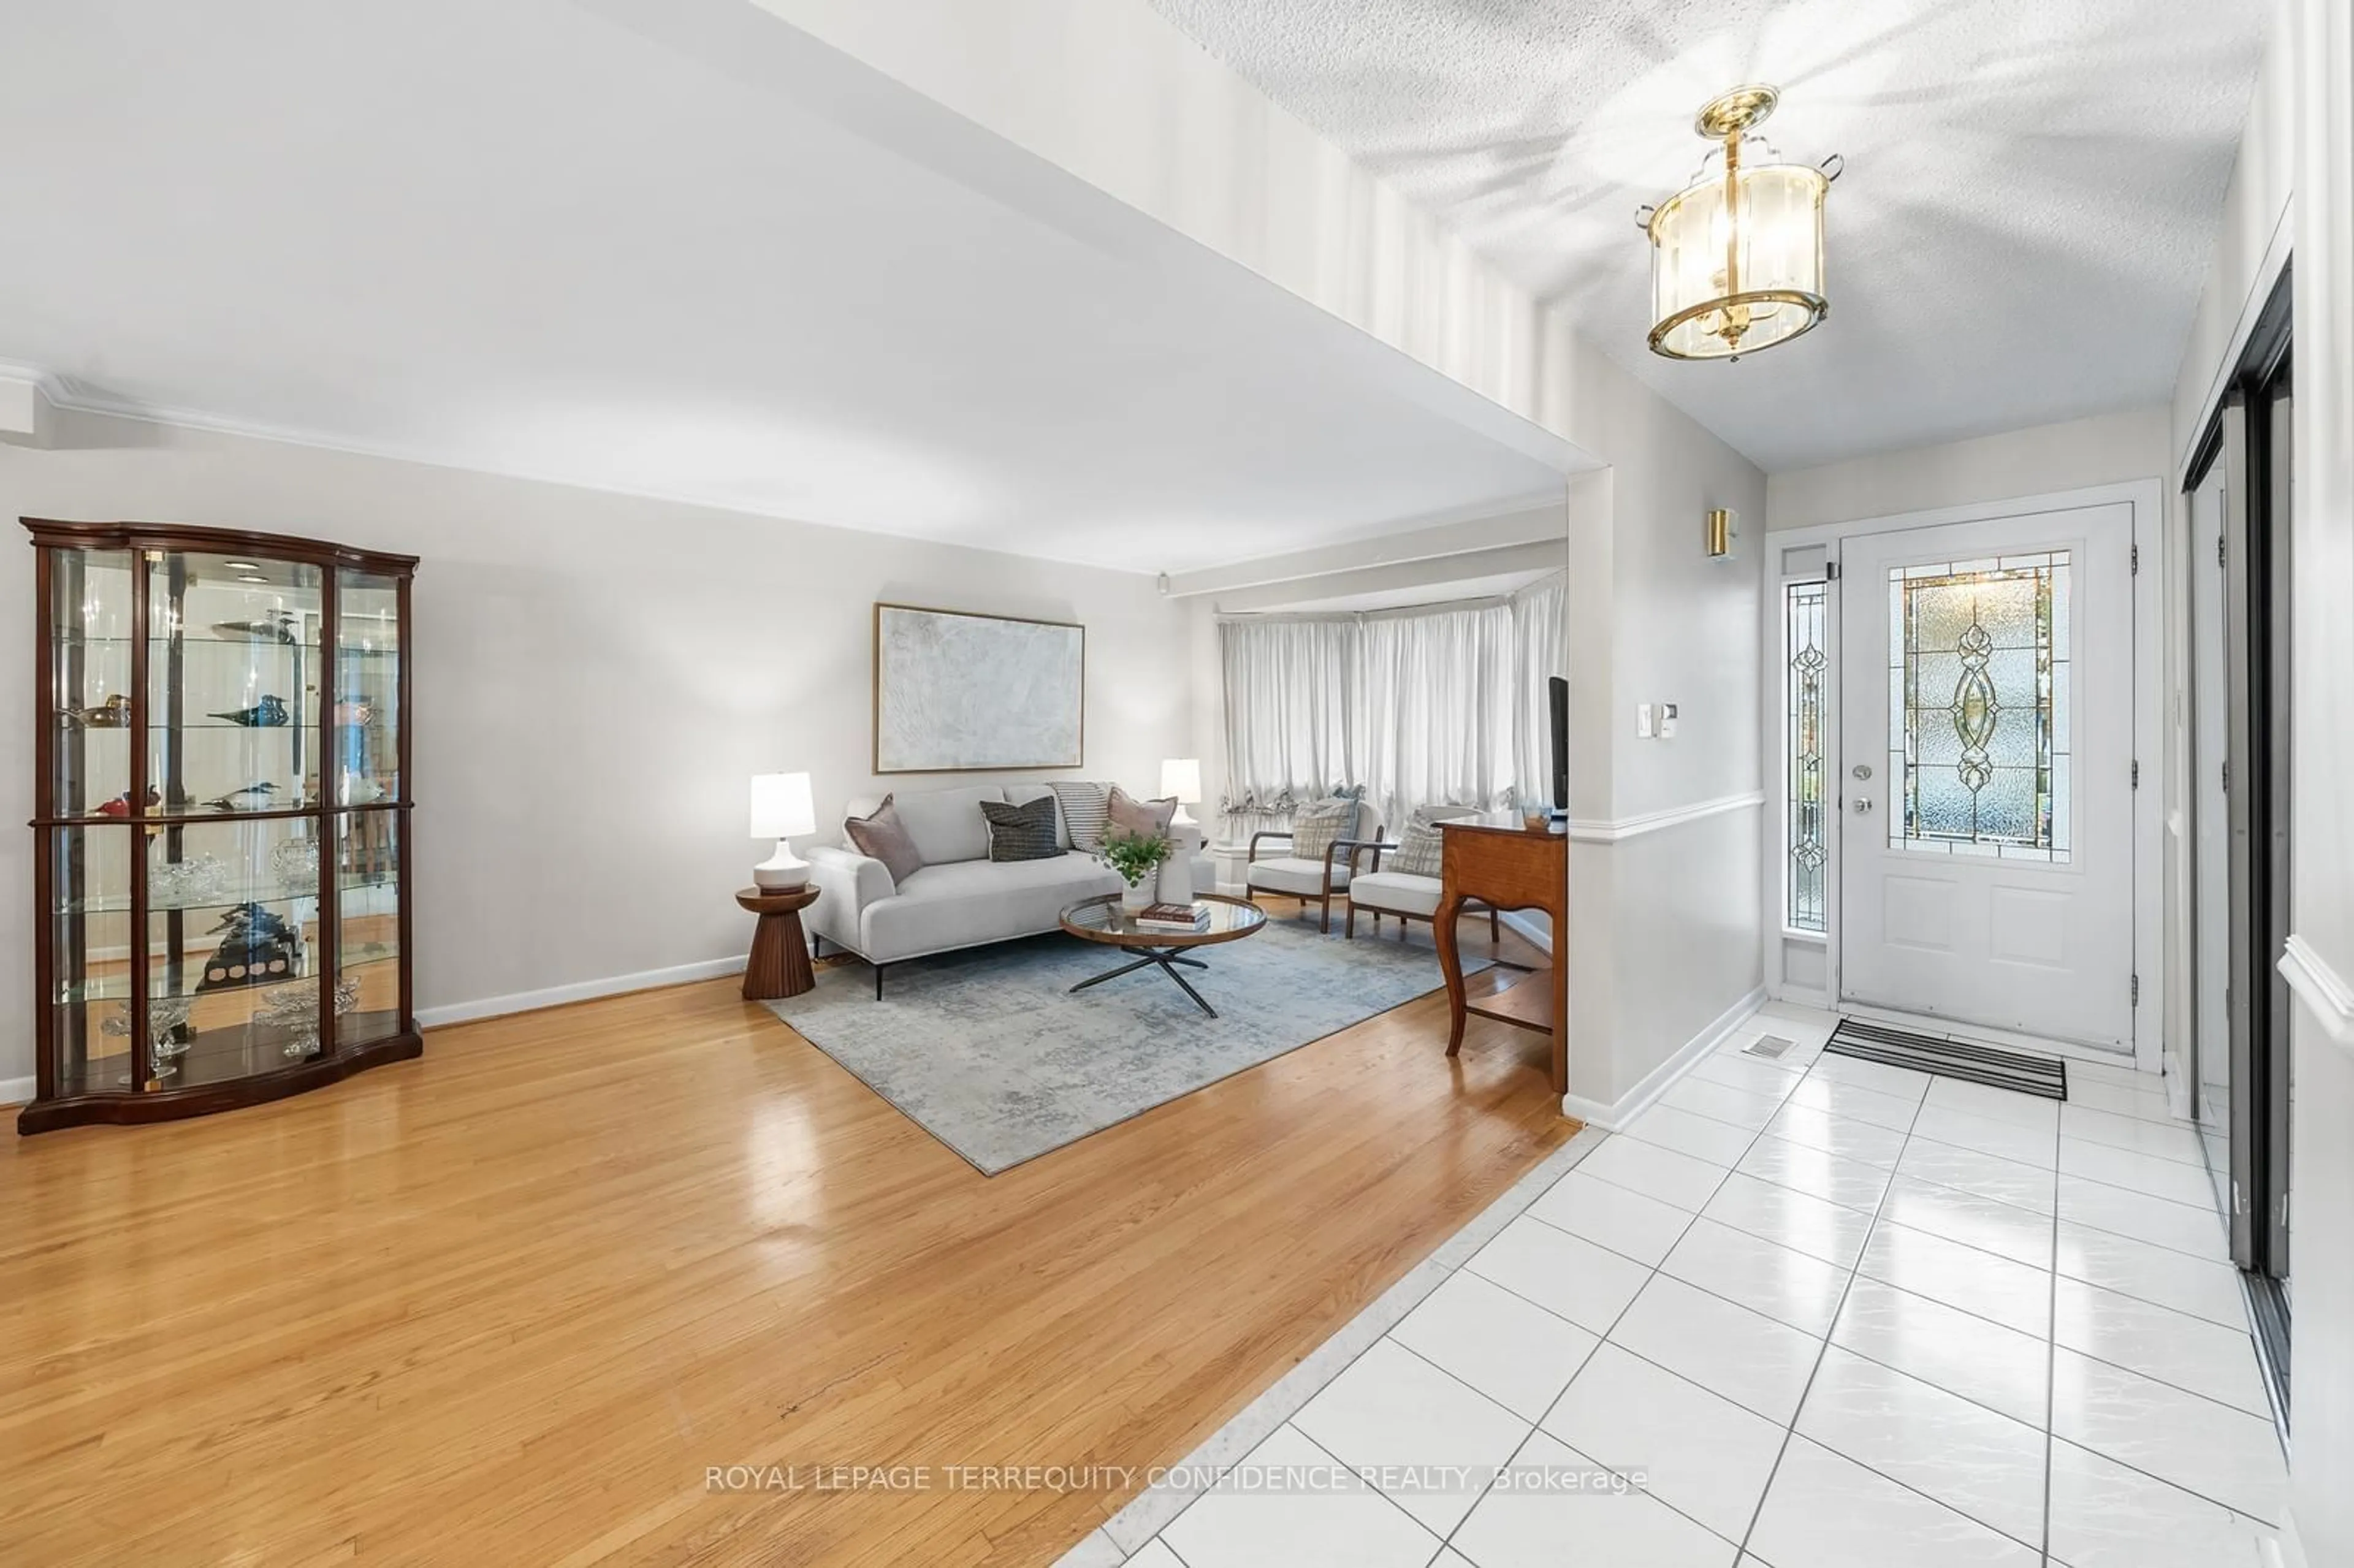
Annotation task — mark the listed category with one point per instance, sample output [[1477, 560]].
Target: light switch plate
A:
[[1666, 722], [1643, 721]]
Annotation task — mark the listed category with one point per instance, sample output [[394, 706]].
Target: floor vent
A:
[[2044, 1075], [1773, 1047]]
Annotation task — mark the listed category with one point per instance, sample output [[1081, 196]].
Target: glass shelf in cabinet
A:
[[187, 816], [185, 638], [226, 724], [117, 904], [120, 987]]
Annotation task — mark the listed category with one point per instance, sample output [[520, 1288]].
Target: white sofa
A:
[[960, 897]]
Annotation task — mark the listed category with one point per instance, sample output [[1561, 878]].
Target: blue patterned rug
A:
[[987, 1051]]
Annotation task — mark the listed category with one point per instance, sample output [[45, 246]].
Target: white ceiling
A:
[[524, 237], [2032, 189]]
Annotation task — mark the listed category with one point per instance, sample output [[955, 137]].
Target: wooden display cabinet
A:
[[220, 862]]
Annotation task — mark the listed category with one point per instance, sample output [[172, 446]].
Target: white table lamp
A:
[[781, 807], [1181, 777]]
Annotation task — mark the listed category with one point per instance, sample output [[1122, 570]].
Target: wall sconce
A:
[[1720, 533]]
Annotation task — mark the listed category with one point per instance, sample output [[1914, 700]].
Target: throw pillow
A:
[[1418, 850], [1083, 808], [884, 837], [1418, 853], [1123, 814], [1316, 826], [1022, 833]]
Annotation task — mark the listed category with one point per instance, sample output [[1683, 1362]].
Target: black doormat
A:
[[2044, 1075]]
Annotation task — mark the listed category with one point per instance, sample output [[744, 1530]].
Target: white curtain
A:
[[1540, 651], [1290, 702], [1438, 705]]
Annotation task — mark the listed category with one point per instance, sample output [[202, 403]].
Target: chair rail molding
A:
[[2322, 989], [1595, 832]]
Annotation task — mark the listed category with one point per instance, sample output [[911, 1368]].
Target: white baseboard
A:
[[1520, 923], [581, 991], [1635, 1101], [2282, 1550], [2178, 1088], [17, 1091]]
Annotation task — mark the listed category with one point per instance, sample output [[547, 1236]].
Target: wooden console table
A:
[[1508, 867]]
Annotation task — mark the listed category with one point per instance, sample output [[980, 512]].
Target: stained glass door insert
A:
[[1977, 693], [1805, 662]]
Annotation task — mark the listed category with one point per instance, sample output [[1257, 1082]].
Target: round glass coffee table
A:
[[1104, 921]]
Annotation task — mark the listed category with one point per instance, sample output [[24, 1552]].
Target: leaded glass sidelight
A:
[[1803, 666], [1978, 689]]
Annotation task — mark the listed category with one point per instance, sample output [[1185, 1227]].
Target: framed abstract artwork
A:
[[956, 692]]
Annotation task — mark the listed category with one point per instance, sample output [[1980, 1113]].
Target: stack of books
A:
[[1174, 917]]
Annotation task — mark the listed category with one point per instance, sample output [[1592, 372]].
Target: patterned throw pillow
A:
[[1084, 805], [1022, 833], [1418, 850], [1420, 846], [1316, 826], [1124, 814], [882, 836]]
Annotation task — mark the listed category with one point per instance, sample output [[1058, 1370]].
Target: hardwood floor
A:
[[508, 1304]]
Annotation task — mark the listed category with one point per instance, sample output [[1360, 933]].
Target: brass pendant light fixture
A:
[[1737, 255]]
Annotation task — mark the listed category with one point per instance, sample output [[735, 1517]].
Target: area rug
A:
[[986, 1050]]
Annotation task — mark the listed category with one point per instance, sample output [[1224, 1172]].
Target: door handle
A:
[[1862, 770], [1860, 804]]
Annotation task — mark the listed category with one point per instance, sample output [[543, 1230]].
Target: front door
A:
[[1985, 733]]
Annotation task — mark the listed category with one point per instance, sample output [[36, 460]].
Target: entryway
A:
[[1970, 753], [1986, 729]]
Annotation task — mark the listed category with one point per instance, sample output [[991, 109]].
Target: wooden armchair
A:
[[1403, 894], [1299, 877]]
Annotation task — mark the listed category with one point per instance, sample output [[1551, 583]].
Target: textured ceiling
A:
[[2032, 189]]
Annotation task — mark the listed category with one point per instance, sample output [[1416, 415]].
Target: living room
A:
[[775, 530]]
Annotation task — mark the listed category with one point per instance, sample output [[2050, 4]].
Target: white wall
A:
[[2322, 807], [2294, 188], [2255, 237], [2041, 461], [596, 678], [1665, 927]]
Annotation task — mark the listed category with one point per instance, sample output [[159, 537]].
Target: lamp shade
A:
[[1181, 777], [1737, 255], [781, 805]]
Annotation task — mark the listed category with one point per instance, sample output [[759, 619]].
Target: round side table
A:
[[780, 966]]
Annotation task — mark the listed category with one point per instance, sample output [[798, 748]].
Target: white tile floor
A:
[[1813, 1314]]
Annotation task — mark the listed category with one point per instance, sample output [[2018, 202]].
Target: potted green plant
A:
[[1134, 856]]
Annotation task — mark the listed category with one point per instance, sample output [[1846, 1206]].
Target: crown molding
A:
[[29, 399]]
